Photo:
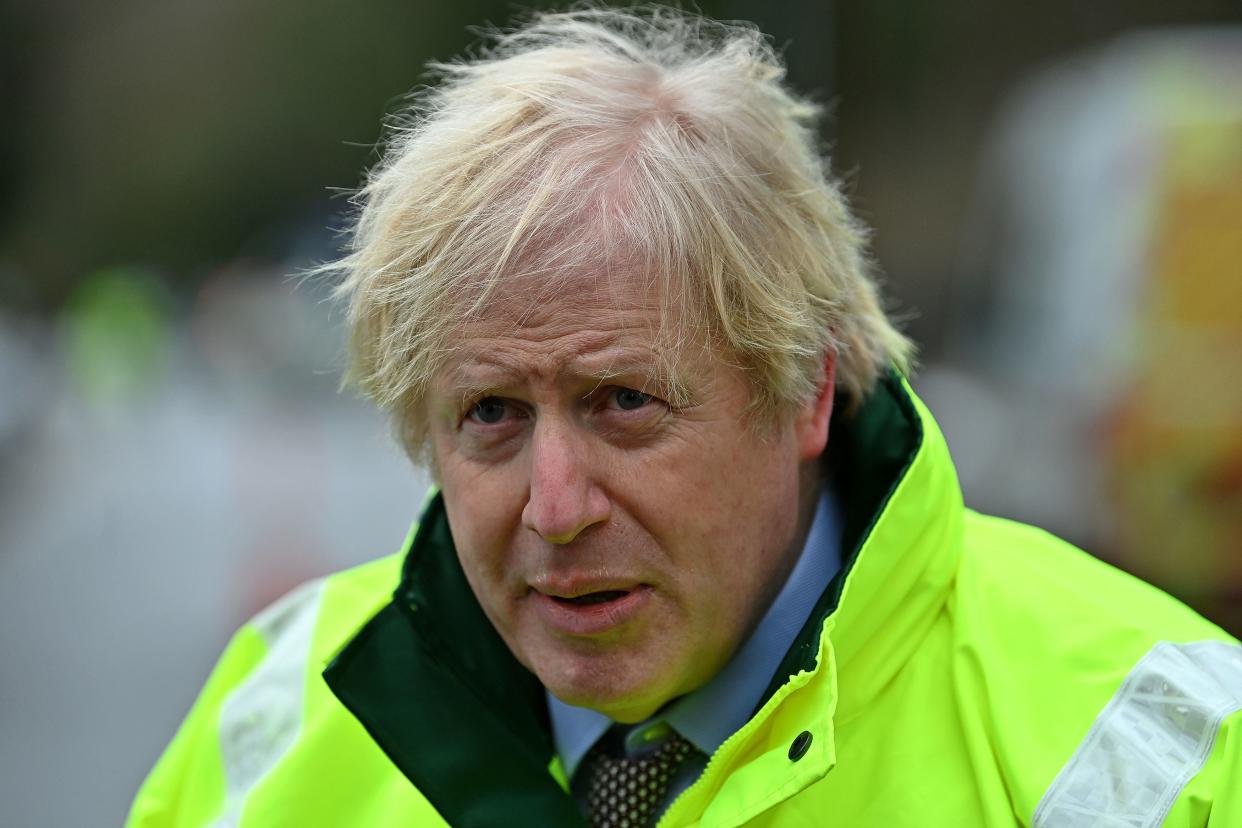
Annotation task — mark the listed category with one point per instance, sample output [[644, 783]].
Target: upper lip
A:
[[570, 586]]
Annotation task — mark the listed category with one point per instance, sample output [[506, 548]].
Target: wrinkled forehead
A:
[[608, 296], [592, 316]]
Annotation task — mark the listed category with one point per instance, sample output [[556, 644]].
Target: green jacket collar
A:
[[441, 694]]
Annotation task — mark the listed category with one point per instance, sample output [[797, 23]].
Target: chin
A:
[[596, 684]]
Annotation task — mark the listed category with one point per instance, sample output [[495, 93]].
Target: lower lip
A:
[[591, 619]]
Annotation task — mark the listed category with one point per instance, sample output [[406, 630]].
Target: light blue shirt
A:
[[711, 714]]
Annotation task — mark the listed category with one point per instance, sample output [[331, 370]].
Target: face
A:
[[623, 547]]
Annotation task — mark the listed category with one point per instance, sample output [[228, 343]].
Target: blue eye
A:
[[630, 400], [488, 411]]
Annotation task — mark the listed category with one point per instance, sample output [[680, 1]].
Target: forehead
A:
[[528, 297], [592, 322]]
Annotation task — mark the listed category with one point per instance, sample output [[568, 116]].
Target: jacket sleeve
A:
[[1165, 751], [1221, 777], [186, 788]]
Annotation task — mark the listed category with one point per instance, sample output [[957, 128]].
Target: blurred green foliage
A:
[[116, 330]]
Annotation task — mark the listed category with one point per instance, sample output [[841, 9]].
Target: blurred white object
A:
[[1108, 248]]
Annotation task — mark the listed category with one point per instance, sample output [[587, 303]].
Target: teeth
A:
[[595, 597]]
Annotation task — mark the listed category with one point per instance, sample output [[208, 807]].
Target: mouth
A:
[[592, 598], [579, 613]]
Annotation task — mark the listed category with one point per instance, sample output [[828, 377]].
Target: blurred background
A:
[[1056, 190]]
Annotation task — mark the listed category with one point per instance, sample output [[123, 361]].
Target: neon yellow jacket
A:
[[960, 671]]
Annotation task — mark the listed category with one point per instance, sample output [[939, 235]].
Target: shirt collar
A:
[[710, 714]]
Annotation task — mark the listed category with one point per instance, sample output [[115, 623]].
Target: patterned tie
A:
[[627, 793]]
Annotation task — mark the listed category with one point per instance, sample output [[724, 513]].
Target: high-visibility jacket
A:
[[961, 670]]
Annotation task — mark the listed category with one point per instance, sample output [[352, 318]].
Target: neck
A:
[[810, 484]]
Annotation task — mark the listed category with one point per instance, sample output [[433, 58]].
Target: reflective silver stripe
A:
[[1149, 741], [260, 719]]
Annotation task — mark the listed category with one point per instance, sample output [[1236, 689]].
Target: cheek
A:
[[747, 506], [747, 478], [484, 511]]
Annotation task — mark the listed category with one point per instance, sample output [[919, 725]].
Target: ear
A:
[[811, 423]]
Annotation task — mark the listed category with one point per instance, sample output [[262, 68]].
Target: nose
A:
[[564, 498]]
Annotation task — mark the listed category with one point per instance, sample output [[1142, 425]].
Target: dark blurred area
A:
[[1056, 191]]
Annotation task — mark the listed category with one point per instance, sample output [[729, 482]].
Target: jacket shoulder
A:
[[264, 704], [350, 598], [1027, 576], [320, 616]]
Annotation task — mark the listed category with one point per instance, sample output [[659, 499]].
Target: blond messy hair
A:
[[595, 138]]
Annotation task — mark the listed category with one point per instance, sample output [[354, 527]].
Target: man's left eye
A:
[[627, 399]]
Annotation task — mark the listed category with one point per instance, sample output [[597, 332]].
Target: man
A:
[[698, 554]]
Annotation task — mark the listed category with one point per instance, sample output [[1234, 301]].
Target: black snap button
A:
[[798, 749]]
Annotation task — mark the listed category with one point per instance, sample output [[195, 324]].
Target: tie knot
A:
[[626, 792]]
